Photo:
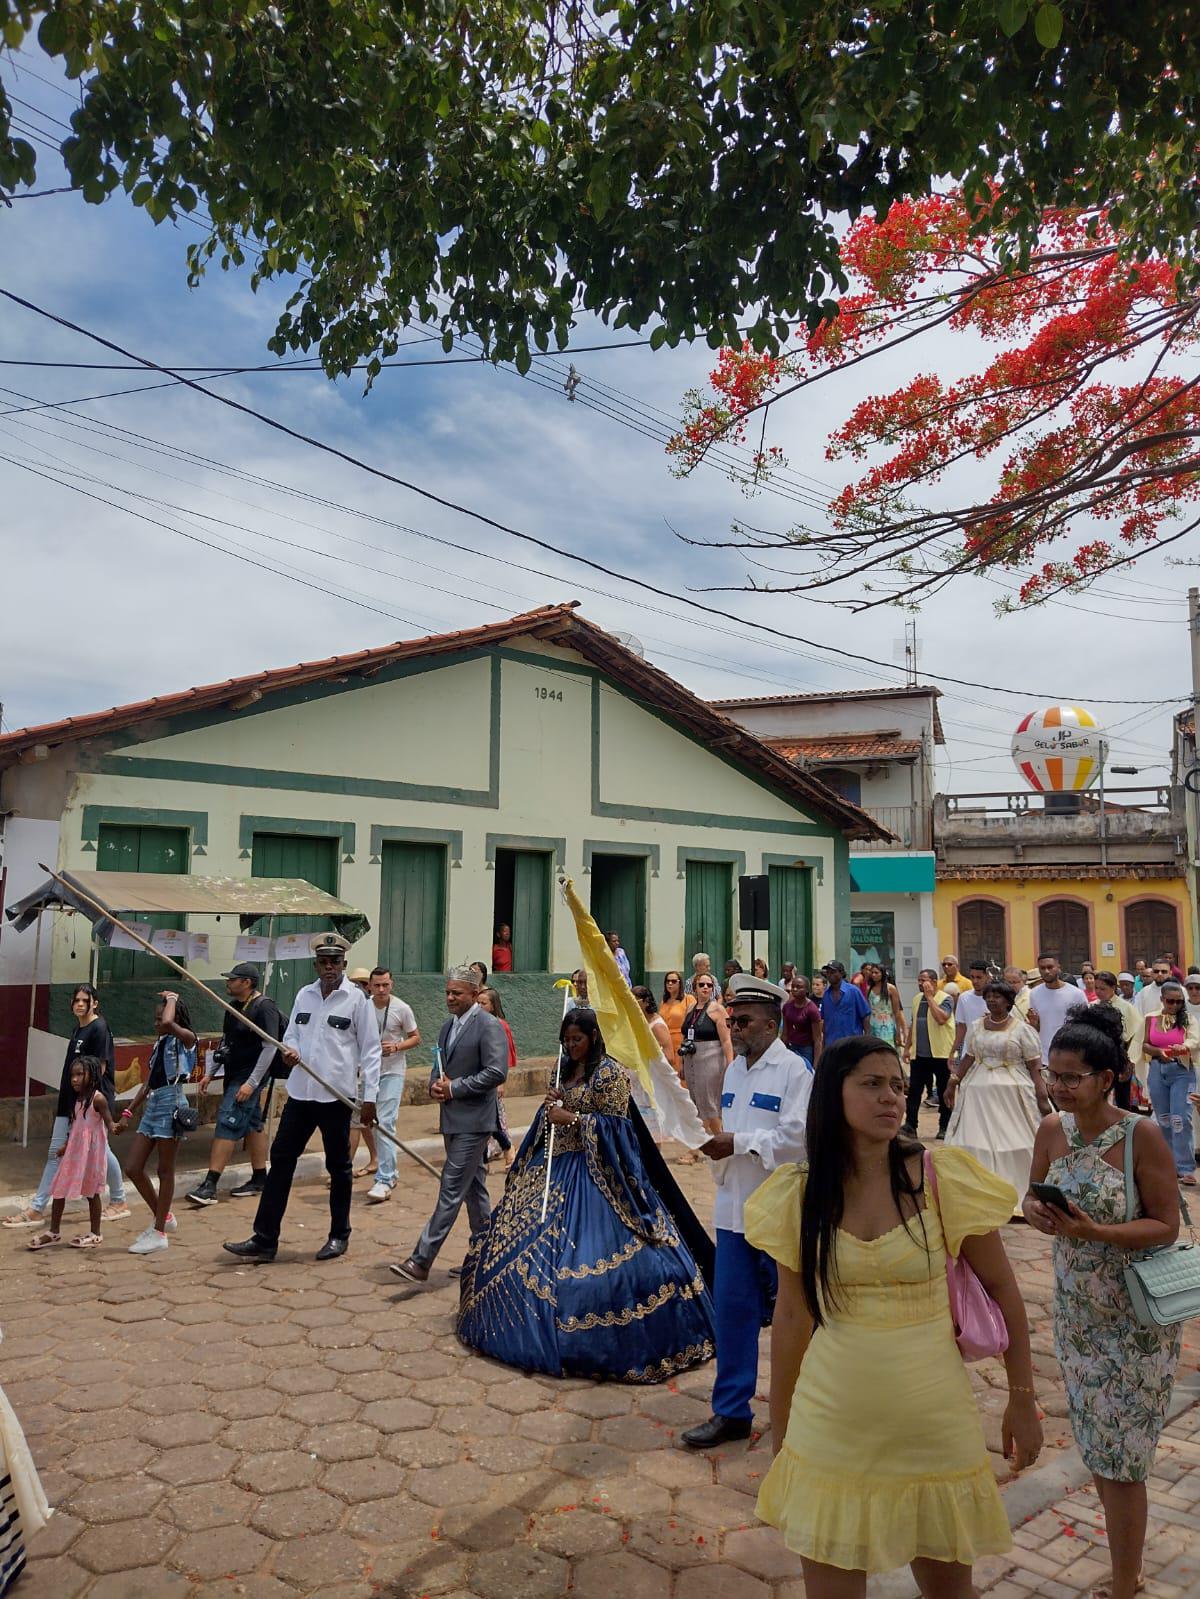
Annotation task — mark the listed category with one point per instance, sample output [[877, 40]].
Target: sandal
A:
[[24, 1218], [115, 1212], [88, 1241], [44, 1241]]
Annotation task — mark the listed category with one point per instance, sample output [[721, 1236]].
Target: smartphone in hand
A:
[[1051, 1194]]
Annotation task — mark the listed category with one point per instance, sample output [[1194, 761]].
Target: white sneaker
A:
[[378, 1192], [170, 1224], [149, 1243]]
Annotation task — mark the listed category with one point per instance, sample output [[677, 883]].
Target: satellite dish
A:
[[631, 643]]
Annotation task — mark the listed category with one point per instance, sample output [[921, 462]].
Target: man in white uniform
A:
[[763, 1110], [333, 1030]]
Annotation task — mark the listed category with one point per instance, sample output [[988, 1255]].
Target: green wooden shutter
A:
[[316, 861], [618, 899], [790, 938], [708, 911], [123, 847], [531, 911], [412, 907]]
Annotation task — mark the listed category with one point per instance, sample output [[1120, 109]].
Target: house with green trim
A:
[[439, 785]]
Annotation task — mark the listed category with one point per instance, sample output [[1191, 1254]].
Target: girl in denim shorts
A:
[[171, 1064]]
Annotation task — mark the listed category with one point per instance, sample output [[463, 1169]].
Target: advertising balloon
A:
[[1058, 749]]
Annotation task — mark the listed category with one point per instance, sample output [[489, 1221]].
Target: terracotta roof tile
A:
[[558, 624], [848, 747], [1040, 873]]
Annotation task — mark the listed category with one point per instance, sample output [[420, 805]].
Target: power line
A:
[[482, 517]]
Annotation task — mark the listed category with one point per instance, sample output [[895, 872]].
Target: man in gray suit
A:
[[473, 1057]]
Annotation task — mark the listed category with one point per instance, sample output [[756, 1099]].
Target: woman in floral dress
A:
[[1118, 1374]]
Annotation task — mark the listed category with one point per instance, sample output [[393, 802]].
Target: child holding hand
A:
[[83, 1161]]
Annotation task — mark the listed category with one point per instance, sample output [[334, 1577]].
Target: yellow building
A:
[[1023, 874]]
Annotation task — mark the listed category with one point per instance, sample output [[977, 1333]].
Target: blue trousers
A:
[[744, 1277], [1170, 1085]]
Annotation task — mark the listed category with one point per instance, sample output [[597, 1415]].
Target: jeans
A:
[[58, 1139], [1170, 1085], [927, 1069], [300, 1120], [743, 1275], [387, 1103]]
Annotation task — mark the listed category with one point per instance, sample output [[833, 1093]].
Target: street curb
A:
[[1040, 1489], [309, 1168]]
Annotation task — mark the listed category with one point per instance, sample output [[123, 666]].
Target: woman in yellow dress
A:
[[880, 1458]]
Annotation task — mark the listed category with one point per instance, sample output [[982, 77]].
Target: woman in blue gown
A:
[[615, 1282]]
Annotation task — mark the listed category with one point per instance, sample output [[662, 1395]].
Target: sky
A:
[[158, 565]]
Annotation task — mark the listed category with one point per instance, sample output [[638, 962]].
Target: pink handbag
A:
[[979, 1328]]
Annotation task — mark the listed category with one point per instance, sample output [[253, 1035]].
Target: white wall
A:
[[27, 840]]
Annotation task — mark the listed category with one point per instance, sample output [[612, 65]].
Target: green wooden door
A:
[[790, 938], [708, 912], [618, 900], [412, 907], [531, 911], [135, 848], [316, 861]]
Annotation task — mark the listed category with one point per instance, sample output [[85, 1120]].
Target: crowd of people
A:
[[832, 1223]]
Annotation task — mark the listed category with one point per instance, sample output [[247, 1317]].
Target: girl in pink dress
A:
[[83, 1163]]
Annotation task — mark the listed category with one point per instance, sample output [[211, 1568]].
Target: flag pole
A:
[[182, 971]]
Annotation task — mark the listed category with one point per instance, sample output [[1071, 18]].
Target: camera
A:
[[687, 1047], [220, 1055]]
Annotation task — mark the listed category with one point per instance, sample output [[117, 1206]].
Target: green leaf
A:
[[1048, 26], [1011, 15]]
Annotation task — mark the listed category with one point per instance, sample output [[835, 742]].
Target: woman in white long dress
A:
[[997, 1090]]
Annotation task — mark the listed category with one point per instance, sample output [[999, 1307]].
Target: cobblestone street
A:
[[208, 1429]]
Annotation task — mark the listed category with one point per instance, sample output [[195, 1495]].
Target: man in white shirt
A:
[[1149, 996], [763, 1111], [398, 1033], [1018, 980], [332, 1031], [1053, 1001], [970, 1006]]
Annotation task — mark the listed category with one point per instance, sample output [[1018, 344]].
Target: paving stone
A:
[[722, 1509], [424, 1449], [296, 1513], [556, 1426], [621, 1576], [166, 1400], [628, 1497], [724, 1582], [432, 1568], [741, 1468], [56, 1537], [507, 1453], [400, 1340], [372, 1385], [244, 1404], [215, 1505], [256, 1586], [675, 1468], [574, 1533], [343, 1440], [151, 1582], [449, 1485], [172, 1432], [194, 1464], [321, 1316], [677, 1411], [762, 1552], [398, 1415], [274, 1472], [137, 1310], [356, 1480], [52, 1579], [320, 1559], [673, 1541], [519, 1573], [306, 1378], [363, 1358], [607, 1399], [117, 1498], [346, 1337], [482, 1527], [471, 1421], [635, 1433], [394, 1521], [319, 1409], [124, 1546], [588, 1460], [266, 1433], [516, 1397], [231, 1552]]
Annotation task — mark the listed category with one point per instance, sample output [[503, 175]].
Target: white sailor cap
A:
[[756, 989]]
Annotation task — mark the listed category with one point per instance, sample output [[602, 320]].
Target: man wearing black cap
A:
[[246, 1060], [332, 1030]]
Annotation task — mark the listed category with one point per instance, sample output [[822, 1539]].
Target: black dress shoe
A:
[[716, 1430], [332, 1248], [252, 1249]]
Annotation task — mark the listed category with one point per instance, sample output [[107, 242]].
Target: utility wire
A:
[[483, 518]]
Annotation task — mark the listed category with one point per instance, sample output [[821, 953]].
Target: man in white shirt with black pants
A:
[[398, 1033], [763, 1110], [332, 1029]]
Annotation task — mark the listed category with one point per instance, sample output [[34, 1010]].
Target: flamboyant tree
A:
[[1082, 406], [497, 167]]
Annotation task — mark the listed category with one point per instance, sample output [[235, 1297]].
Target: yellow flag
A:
[[627, 1034]]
